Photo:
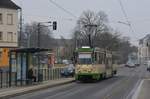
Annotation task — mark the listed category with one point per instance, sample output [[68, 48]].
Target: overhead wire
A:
[[63, 9], [126, 16]]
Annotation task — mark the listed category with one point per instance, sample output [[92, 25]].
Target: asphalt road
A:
[[122, 86]]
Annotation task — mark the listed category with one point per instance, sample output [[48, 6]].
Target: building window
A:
[[9, 36], [10, 19], [1, 18], [1, 36]]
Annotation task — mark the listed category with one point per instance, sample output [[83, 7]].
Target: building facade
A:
[[9, 27], [8, 23], [144, 49]]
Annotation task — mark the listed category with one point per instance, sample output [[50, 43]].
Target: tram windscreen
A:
[[85, 59]]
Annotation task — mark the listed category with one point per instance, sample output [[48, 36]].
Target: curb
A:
[[35, 89]]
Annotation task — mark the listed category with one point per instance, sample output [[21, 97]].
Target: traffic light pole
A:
[[90, 42], [38, 46], [38, 36], [39, 43]]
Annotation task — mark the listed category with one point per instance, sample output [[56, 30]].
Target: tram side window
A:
[[101, 58], [97, 58], [106, 63]]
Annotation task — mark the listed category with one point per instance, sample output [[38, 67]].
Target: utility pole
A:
[[38, 36], [89, 34], [38, 46], [90, 42], [28, 40]]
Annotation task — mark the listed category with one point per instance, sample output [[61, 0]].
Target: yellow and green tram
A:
[[94, 64]]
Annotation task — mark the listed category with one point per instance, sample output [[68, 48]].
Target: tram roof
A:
[[85, 49]]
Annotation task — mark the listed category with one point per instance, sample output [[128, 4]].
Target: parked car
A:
[[68, 71], [130, 64], [67, 62], [137, 64]]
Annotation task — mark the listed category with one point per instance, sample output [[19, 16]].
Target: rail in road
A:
[[121, 86]]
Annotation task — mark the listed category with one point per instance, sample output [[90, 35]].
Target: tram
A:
[[94, 64]]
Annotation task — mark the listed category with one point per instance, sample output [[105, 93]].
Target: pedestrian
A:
[[30, 75]]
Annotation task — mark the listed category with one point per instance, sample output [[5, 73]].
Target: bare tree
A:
[[31, 35], [68, 48], [91, 25], [102, 35]]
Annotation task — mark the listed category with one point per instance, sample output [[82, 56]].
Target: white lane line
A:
[[136, 93], [133, 90]]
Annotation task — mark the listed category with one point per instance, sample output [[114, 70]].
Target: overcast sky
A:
[[43, 10]]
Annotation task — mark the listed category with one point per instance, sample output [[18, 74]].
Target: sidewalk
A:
[[143, 92], [9, 92]]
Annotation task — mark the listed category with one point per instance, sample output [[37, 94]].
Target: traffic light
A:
[[54, 25]]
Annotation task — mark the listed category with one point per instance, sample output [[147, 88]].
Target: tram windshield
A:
[[85, 61]]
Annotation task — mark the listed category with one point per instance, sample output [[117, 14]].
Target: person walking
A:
[[31, 75]]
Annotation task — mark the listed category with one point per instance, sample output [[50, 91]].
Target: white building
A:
[[144, 49], [8, 23]]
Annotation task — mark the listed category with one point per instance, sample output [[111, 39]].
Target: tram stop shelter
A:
[[21, 60]]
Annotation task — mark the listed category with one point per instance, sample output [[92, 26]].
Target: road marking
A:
[[133, 90], [136, 93]]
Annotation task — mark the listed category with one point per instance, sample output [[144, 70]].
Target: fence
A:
[[4, 79], [49, 74], [46, 74]]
